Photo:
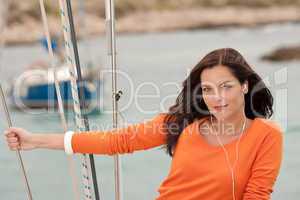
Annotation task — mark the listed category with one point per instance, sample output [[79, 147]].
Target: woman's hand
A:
[[19, 139]]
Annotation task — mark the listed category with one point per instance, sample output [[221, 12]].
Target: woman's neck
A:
[[230, 126]]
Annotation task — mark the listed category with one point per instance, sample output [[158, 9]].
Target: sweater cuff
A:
[[68, 142]]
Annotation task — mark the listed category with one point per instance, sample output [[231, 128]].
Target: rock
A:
[[283, 54], [24, 19]]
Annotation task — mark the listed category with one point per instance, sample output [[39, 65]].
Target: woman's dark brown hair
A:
[[190, 106]]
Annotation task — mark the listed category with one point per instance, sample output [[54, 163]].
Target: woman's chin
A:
[[221, 116]]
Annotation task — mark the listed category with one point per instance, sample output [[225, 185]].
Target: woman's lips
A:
[[221, 107]]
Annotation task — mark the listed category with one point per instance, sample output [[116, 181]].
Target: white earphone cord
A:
[[227, 156]]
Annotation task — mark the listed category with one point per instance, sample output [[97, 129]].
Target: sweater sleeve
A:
[[134, 137], [265, 168]]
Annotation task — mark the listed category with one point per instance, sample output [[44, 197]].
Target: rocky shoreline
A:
[[30, 30], [286, 53]]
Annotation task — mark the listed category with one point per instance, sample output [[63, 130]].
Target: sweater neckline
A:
[[229, 144]]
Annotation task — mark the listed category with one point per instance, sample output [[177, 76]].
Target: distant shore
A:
[[284, 53], [30, 30]]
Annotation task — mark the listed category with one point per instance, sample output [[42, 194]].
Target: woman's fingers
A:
[[14, 129], [12, 139], [14, 146], [10, 134]]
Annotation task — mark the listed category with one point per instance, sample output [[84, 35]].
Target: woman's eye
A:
[[205, 89], [226, 86]]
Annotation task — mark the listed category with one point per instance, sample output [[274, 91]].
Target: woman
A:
[[221, 145]]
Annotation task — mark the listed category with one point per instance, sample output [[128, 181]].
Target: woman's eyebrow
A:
[[205, 85], [227, 81], [208, 85]]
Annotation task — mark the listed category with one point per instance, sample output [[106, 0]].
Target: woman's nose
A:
[[218, 96]]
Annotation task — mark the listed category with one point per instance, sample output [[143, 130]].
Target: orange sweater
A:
[[199, 170]]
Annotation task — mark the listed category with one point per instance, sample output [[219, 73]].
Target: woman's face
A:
[[222, 92]]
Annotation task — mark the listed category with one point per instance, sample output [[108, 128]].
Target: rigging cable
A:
[[110, 27], [59, 97], [88, 165], [5, 107]]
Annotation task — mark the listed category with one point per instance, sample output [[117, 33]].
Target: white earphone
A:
[[231, 168], [245, 89]]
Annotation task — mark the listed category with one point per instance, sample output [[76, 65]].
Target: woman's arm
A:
[[124, 140], [132, 138], [265, 168]]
